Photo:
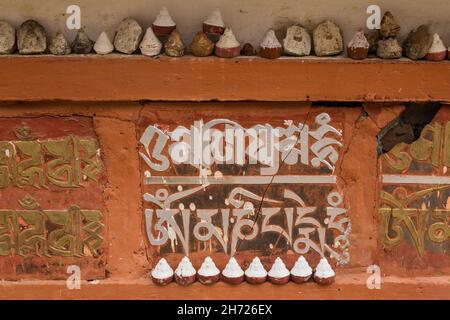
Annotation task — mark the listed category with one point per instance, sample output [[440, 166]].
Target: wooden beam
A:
[[131, 78]]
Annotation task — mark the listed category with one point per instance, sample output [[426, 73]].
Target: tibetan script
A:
[[219, 185]]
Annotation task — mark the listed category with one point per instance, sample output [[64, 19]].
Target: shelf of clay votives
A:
[[118, 77]]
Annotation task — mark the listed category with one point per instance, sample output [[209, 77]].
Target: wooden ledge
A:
[[346, 287], [131, 78]]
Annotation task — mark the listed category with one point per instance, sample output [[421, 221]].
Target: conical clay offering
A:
[[150, 45], [174, 47], [59, 45], [82, 44], [227, 46], [201, 45], [103, 45], [437, 51]]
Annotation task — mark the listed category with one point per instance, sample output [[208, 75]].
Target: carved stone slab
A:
[[243, 182], [414, 208], [52, 213]]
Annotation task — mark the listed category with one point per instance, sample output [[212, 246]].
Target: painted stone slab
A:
[[51, 204], [414, 209], [242, 181]]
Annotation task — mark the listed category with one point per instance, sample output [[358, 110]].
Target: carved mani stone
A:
[[31, 38]]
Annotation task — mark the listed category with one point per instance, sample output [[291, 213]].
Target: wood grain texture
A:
[[350, 286], [132, 78]]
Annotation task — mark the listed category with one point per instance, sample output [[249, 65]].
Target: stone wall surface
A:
[[82, 183]]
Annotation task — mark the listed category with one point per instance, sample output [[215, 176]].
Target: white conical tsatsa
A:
[[103, 45]]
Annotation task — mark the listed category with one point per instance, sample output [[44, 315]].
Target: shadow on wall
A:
[[408, 126]]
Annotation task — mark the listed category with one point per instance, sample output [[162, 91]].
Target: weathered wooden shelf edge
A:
[[350, 287], [135, 77]]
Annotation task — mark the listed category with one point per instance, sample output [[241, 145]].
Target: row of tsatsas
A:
[[162, 37], [185, 273]]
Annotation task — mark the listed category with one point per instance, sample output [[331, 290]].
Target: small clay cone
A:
[[162, 274], [174, 47], [163, 25], [301, 271], [103, 45], [150, 45], [208, 272], [255, 273], [437, 51], [185, 273], [201, 45], [228, 46], [358, 48], [233, 273], [279, 274], [59, 45], [270, 47], [324, 274], [389, 49], [214, 26]]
